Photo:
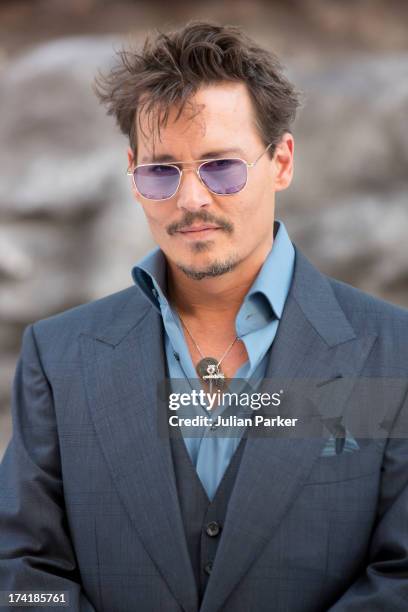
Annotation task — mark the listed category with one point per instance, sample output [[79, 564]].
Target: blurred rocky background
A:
[[70, 230]]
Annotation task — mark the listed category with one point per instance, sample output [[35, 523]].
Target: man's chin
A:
[[209, 270]]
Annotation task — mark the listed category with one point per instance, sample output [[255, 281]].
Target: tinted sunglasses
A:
[[224, 176]]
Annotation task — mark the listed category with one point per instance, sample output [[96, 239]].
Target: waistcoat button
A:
[[213, 529], [208, 567]]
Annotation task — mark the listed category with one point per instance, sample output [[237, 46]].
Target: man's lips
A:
[[199, 224], [198, 228]]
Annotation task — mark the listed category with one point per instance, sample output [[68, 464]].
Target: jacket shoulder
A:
[[91, 317], [352, 298], [370, 315], [364, 310]]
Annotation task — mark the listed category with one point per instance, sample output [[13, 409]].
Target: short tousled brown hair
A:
[[171, 67]]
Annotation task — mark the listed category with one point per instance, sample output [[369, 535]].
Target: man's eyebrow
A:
[[207, 155]]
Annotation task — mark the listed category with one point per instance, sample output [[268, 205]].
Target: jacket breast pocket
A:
[[346, 465]]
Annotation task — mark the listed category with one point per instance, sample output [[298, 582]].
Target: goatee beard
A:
[[217, 268]]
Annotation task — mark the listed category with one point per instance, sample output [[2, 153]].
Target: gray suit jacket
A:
[[88, 501]]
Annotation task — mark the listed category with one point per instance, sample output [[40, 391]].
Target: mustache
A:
[[201, 215]]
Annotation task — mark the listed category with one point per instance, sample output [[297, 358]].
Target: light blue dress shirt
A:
[[256, 325]]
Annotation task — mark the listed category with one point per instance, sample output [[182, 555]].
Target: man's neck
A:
[[214, 298]]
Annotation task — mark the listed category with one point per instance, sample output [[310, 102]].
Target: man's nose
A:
[[192, 194]]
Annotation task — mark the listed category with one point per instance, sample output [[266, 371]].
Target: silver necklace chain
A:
[[198, 348]]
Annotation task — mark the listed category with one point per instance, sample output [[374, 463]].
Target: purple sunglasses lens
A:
[[156, 182], [224, 176]]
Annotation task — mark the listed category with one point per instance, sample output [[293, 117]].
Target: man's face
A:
[[202, 233]]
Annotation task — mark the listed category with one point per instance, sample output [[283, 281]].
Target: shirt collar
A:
[[267, 294], [274, 278], [149, 274]]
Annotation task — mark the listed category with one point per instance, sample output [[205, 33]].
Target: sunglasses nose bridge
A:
[[191, 168], [193, 193]]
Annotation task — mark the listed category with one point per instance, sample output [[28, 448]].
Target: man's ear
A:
[[130, 157], [283, 160], [131, 162]]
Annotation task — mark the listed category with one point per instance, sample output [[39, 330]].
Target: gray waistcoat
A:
[[203, 520]]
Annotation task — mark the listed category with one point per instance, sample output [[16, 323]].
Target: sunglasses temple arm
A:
[[259, 157]]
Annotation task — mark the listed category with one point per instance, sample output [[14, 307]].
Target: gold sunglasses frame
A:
[[249, 165]]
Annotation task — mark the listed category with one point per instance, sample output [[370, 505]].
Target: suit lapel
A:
[[316, 342], [123, 366]]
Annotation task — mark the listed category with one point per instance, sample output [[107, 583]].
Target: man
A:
[[94, 500]]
